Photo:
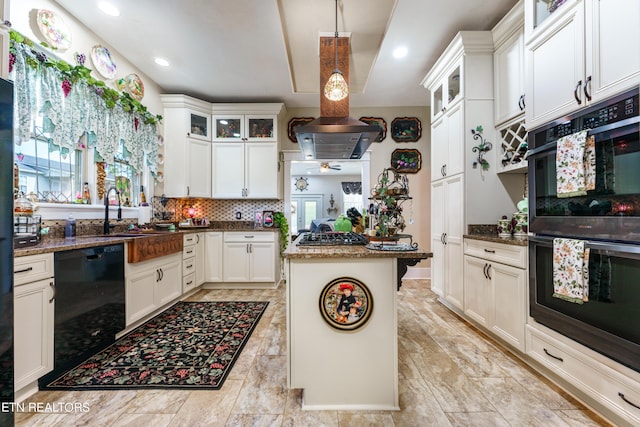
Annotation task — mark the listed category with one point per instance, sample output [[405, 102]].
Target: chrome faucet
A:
[[106, 209]]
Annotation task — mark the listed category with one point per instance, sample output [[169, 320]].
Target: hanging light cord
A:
[[336, 42]]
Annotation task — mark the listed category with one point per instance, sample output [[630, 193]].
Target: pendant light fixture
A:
[[336, 88]]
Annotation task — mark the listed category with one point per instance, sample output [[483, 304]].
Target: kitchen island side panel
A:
[[347, 370]]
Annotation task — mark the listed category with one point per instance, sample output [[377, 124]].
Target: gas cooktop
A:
[[332, 239]]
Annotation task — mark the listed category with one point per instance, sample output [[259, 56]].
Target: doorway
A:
[[304, 209]]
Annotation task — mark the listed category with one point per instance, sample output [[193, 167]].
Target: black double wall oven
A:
[[607, 219]]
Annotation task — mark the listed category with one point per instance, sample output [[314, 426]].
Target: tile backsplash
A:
[[212, 209]]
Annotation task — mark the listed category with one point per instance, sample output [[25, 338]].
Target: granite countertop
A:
[[80, 242], [348, 251], [511, 240]]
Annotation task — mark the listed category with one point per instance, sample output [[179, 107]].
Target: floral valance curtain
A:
[[352, 187], [71, 110]]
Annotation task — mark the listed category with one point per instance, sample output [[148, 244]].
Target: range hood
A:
[[334, 138], [335, 135]]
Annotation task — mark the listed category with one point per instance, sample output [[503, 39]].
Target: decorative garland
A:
[[71, 74]]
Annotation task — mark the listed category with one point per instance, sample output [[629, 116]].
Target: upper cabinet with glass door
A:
[[541, 13], [255, 128], [199, 126], [447, 91]]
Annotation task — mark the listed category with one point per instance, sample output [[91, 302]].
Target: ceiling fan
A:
[[325, 166]]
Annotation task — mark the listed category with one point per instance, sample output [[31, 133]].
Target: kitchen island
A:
[[342, 325]]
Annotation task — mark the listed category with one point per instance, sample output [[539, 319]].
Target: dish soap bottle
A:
[[70, 227], [143, 198]]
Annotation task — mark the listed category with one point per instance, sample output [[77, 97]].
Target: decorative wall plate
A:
[[346, 303], [406, 160], [294, 123], [406, 129], [53, 29], [133, 86], [377, 121], [101, 58]]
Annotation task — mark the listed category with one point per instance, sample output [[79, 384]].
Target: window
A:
[[46, 171], [352, 201], [124, 178]]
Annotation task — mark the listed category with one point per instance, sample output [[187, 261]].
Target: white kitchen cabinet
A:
[[189, 264], [200, 259], [587, 51], [152, 284], [252, 127], [608, 387], [249, 257], [447, 143], [213, 256], [460, 193], [495, 289], [33, 311], [508, 65], [446, 240], [187, 146], [245, 170]]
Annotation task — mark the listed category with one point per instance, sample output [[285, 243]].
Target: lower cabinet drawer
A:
[[188, 251], [188, 282], [504, 253], [617, 390], [188, 266]]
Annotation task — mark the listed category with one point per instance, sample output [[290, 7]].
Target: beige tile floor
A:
[[450, 375]]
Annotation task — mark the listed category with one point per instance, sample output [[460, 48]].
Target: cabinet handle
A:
[[490, 251], [575, 92], [190, 266], [197, 238], [627, 400], [551, 355], [521, 102], [445, 170], [24, 270], [53, 288], [489, 271], [484, 270], [161, 274], [190, 251], [189, 282], [157, 274], [585, 88], [444, 109], [249, 237], [445, 238], [247, 248]]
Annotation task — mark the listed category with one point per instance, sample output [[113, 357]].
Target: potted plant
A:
[[280, 221]]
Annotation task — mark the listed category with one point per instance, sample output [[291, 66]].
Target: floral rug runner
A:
[[192, 345]]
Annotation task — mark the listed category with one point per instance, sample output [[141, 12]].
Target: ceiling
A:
[[267, 50]]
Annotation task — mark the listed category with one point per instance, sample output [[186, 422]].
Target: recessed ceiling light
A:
[[108, 8], [400, 52], [162, 62]]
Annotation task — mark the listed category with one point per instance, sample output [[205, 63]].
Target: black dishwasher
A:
[[89, 304]]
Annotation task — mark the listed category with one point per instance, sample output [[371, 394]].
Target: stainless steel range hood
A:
[[335, 135], [334, 138]]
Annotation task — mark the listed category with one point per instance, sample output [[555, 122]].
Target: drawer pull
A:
[[490, 251], [249, 237], [190, 266], [189, 282], [551, 355], [627, 400], [24, 270], [53, 294]]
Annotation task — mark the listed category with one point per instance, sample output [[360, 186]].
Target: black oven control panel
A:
[[614, 110]]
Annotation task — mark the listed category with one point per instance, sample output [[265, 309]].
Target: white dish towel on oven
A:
[[575, 165], [571, 270]]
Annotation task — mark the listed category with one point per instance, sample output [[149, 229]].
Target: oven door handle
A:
[[621, 250]]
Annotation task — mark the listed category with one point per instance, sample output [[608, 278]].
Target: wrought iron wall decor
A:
[[481, 148], [294, 123]]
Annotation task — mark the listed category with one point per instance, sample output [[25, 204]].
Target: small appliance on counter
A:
[[26, 225]]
